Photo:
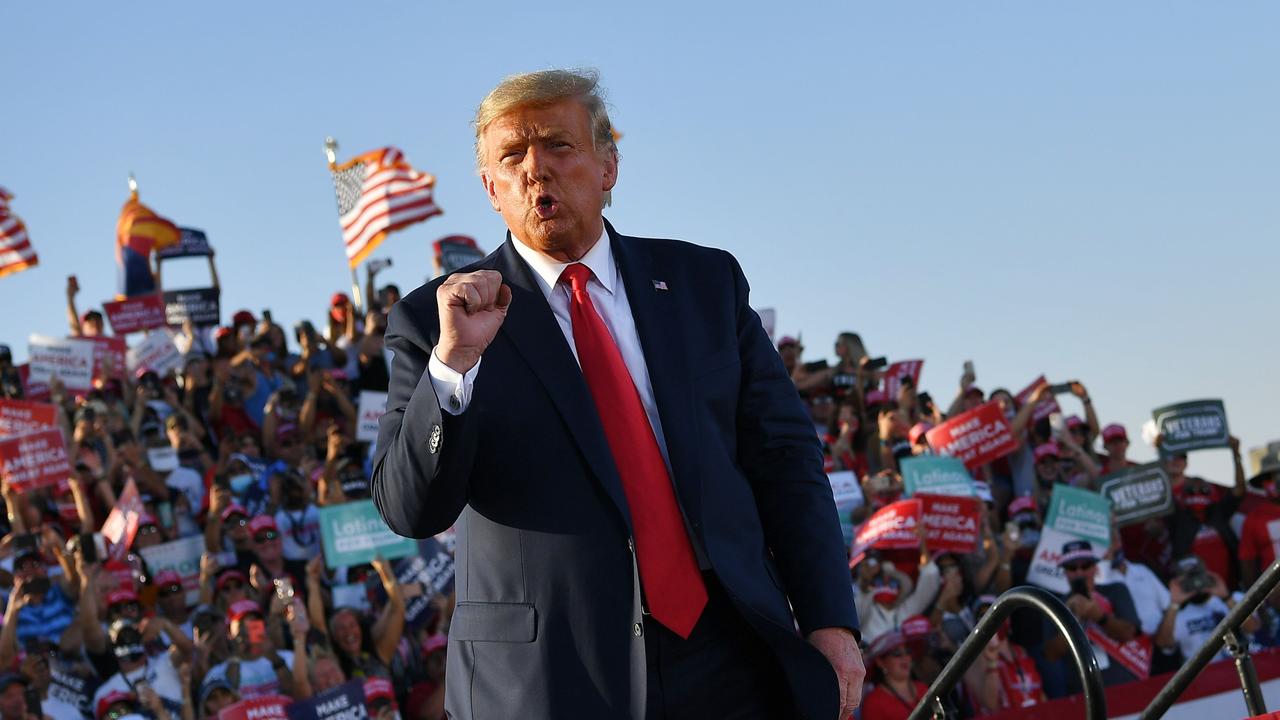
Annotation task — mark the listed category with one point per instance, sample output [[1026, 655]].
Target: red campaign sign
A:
[[122, 522], [136, 313], [951, 523], [892, 527], [18, 417], [268, 707], [975, 438], [32, 390], [31, 461], [104, 348], [893, 376], [1046, 407], [1134, 655]]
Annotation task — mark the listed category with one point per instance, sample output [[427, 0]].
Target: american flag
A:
[[16, 253], [379, 192]]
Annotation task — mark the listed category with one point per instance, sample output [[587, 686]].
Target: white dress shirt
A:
[[453, 389]]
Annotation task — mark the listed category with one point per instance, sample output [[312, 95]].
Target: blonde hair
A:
[[546, 87]]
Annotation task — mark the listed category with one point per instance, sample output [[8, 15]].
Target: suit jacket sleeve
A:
[[419, 485], [779, 452]]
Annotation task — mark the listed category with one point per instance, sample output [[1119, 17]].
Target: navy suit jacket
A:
[[548, 619]]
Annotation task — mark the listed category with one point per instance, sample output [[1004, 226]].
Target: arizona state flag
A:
[[139, 231]]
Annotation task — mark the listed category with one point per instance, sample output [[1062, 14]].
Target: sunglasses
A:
[[240, 522], [1078, 567], [266, 537], [170, 590], [898, 652], [233, 585]]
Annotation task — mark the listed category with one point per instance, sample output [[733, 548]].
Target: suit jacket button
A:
[[433, 440], [637, 630], [454, 402]]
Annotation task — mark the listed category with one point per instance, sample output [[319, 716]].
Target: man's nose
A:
[[535, 165]]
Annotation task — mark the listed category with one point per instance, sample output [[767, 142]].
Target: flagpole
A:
[[331, 154]]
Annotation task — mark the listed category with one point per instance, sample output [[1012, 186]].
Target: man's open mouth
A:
[[546, 205]]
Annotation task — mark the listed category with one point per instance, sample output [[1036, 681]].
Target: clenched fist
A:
[[472, 308]]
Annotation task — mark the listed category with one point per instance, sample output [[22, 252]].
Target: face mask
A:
[[240, 484]]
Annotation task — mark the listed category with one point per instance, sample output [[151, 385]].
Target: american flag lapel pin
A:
[[659, 285]]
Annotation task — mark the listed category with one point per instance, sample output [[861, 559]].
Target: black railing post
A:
[[1095, 698], [1253, 699]]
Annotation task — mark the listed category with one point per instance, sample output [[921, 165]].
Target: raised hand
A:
[[472, 308]]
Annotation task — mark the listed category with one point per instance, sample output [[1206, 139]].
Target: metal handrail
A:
[[1224, 632], [1095, 698]]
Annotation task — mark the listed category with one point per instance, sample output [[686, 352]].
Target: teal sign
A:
[[936, 475], [354, 533], [1081, 513]]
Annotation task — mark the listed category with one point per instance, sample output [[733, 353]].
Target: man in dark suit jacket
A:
[[644, 528]]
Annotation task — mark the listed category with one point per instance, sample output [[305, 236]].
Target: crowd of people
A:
[[263, 423], [1157, 590], [264, 431]]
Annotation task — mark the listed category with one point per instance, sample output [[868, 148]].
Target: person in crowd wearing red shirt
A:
[[1261, 532], [1005, 678], [895, 693], [1201, 523], [1116, 442]]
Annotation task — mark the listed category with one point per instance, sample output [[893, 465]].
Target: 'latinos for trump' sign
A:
[[1193, 425], [1074, 514], [354, 533], [976, 437], [936, 475], [1138, 493]]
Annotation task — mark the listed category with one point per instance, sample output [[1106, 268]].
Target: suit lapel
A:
[[537, 337], [654, 310]]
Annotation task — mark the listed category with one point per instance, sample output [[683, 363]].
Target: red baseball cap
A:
[[227, 576], [787, 340], [240, 608], [1022, 504], [1114, 431], [263, 522], [113, 697], [376, 688], [918, 431], [1074, 421], [121, 596], [1049, 449], [339, 299], [915, 628], [439, 641], [167, 578], [243, 317]]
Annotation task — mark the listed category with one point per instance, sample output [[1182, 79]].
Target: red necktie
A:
[[669, 572]]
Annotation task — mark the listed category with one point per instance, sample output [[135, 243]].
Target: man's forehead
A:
[[526, 121]]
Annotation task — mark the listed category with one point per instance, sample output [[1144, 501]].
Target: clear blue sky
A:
[[1087, 190]]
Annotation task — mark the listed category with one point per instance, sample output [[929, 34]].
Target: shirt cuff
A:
[[453, 389]]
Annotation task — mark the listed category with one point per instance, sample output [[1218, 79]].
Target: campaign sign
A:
[[267, 707], [200, 305], [455, 252], [1047, 407], [136, 313], [1074, 514], [1138, 493], [891, 527], [354, 533], [895, 372], [191, 243], [936, 475], [373, 405], [351, 595], [847, 492], [121, 524], [156, 353], [70, 360], [108, 357], [975, 437], [344, 702], [35, 460], [432, 572], [18, 417], [1193, 425], [181, 556], [951, 524]]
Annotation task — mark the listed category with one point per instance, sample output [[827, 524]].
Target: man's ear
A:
[[491, 190], [610, 172]]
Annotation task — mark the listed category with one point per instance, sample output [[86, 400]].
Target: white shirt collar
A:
[[547, 271]]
